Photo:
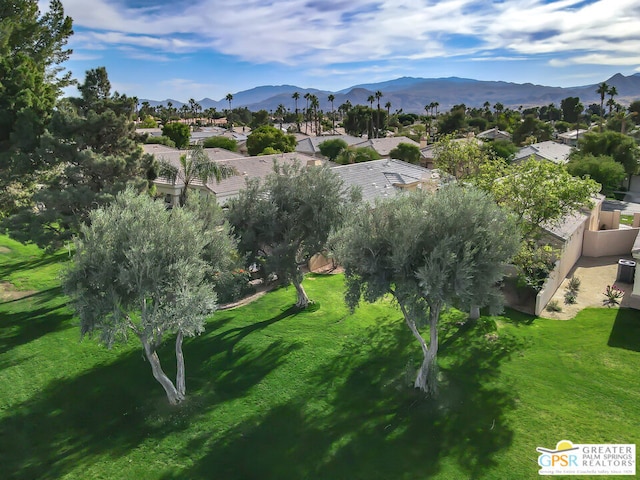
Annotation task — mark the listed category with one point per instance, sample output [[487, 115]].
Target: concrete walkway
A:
[[594, 274], [626, 208]]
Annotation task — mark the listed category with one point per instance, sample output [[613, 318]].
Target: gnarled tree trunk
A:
[[180, 376], [427, 377], [303, 299], [173, 395]]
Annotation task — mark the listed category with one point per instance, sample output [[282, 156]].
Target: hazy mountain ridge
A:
[[412, 94]]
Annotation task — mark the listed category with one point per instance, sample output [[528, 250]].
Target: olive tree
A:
[[428, 251], [286, 219], [144, 270]]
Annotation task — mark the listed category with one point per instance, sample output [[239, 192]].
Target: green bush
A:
[[232, 286], [570, 297], [162, 140], [332, 148], [574, 284], [553, 306], [178, 132], [221, 142]]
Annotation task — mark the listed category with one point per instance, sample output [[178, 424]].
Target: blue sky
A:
[[207, 48]]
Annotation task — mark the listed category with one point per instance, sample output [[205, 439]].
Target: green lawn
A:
[[280, 394]]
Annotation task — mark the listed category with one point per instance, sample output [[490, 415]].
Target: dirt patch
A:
[[594, 274], [4, 249], [9, 292]]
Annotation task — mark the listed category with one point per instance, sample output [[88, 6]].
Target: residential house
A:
[[494, 134], [386, 178], [571, 137], [383, 146], [311, 145], [549, 150], [228, 188]]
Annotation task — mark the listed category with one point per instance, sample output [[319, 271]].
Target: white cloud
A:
[[317, 32]]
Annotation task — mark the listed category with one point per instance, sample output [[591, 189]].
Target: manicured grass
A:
[[280, 394], [626, 219]]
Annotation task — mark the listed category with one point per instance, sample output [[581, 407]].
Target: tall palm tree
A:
[[613, 91], [331, 99], [388, 107], [229, 98], [313, 99], [296, 97], [498, 107], [306, 123], [603, 89], [371, 99], [378, 96], [280, 112], [428, 109]]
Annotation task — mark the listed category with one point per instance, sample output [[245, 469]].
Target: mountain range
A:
[[412, 94]]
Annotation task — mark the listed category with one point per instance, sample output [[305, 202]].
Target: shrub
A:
[[162, 140], [553, 306], [233, 285], [221, 142], [570, 297], [406, 152], [331, 148], [612, 296], [574, 284], [148, 122], [178, 132]]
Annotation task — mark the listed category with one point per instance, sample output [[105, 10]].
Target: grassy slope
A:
[[317, 394]]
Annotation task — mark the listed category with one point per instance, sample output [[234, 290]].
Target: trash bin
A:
[[626, 271]]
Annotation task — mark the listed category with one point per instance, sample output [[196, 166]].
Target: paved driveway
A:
[[626, 208]]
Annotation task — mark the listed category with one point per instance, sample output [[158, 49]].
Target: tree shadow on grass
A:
[[10, 267], [360, 418], [626, 330], [113, 408], [24, 323]]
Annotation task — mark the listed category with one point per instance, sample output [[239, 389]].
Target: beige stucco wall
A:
[[609, 220], [570, 254], [609, 242]]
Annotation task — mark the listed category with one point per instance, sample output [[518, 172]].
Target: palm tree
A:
[[229, 97], [378, 96], [428, 109], [296, 97], [331, 98], [195, 165], [306, 123], [498, 107], [314, 112], [371, 99], [613, 91], [280, 112], [603, 89], [388, 107]]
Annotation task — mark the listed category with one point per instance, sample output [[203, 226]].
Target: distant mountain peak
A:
[[411, 94]]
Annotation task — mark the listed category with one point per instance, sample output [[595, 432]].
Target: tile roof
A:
[[549, 150], [310, 145], [384, 145], [382, 178]]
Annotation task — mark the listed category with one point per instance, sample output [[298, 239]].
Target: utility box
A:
[[626, 271]]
